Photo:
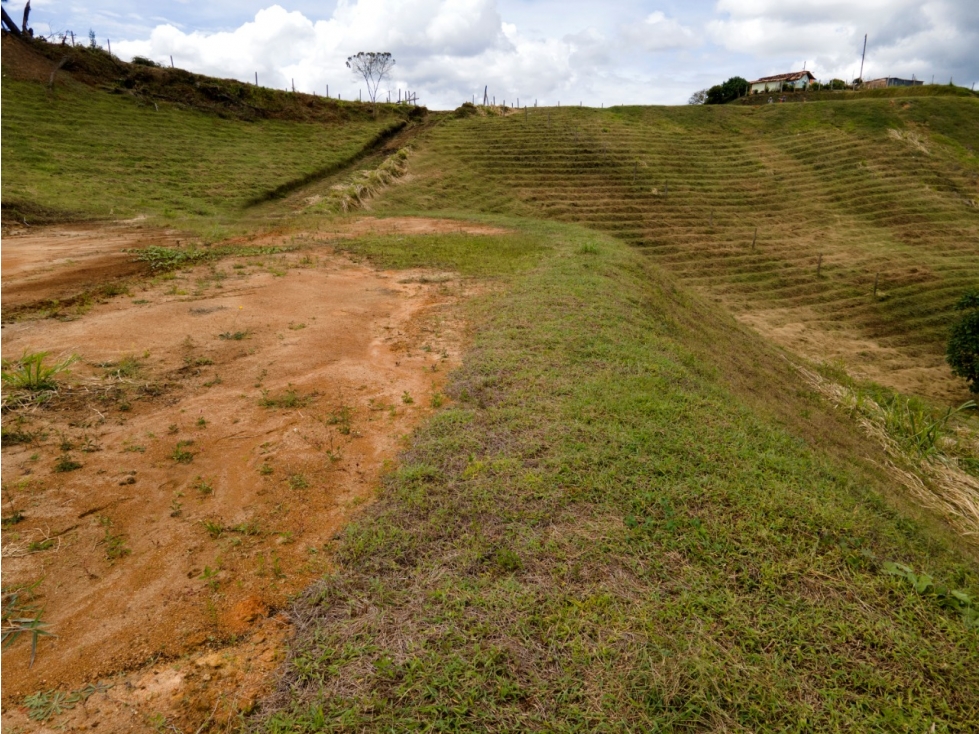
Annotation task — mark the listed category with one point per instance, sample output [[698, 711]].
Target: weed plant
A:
[[21, 617], [31, 374]]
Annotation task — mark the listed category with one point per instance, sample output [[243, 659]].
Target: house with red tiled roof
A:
[[796, 79]]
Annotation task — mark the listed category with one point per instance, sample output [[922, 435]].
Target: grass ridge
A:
[[598, 535]]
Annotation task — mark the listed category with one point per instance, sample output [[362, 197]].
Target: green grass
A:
[[605, 532], [630, 514], [116, 158], [878, 188]]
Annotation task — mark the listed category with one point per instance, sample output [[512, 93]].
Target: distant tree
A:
[[837, 84], [698, 97], [731, 89], [962, 352], [91, 39], [372, 67]]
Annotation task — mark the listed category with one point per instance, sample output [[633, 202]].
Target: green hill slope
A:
[[75, 151], [635, 514], [745, 203], [634, 517]]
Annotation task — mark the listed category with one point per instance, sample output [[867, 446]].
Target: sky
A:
[[572, 52]]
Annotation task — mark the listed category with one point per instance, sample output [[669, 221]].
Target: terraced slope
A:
[[789, 214]]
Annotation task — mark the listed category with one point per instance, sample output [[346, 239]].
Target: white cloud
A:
[[623, 52], [446, 50], [660, 33], [905, 37]]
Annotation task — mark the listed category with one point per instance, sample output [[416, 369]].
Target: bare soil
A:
[[59, 262], [227, 421]]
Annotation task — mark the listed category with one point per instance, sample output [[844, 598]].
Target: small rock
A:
[[214, 660]]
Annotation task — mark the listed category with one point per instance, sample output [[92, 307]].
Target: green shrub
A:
[[962, 353], [731, 89]]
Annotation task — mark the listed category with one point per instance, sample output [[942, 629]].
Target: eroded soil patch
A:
[[226, 421], [59, 262]]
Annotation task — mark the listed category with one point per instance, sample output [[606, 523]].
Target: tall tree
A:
[[372, 66]]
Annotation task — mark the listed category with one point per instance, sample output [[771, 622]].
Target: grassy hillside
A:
[[118, 158], [634, 514], [78, 151], [879, 190], [605, 533]]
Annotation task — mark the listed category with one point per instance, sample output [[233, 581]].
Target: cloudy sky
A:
[[634, 51]]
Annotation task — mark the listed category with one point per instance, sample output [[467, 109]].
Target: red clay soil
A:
[[227, 421], [60, 262]]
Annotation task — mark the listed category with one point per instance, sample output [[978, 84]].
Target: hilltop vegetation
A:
[[635, 512]]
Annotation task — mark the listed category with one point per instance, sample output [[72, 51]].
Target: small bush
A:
[[143, 61], [962, 352], [66, 464]]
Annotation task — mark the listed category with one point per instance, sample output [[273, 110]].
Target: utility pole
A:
[[862, 58]]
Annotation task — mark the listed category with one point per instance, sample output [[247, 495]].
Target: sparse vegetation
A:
[[181, 454], [170, 258], [234, 335], [289, 398], [44, 705], [298, 481], [342, 418], [66, 463], [203, 486]]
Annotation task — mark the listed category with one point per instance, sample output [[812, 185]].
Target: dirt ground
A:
[[49, 263], [194, 468]]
